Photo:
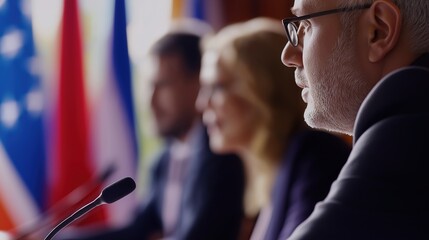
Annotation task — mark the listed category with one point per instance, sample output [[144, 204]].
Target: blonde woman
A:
[[253, 108]]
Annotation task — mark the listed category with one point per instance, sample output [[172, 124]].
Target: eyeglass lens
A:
[[293, 35]]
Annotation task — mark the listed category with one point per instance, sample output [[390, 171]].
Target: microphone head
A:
[[118, 190]]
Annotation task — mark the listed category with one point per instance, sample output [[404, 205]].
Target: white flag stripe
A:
[[14, 193], [113, 143]]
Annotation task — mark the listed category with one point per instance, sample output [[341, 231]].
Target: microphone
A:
[[110, 194], [66, 204]]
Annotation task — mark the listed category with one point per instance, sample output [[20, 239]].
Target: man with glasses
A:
[[364, 70]]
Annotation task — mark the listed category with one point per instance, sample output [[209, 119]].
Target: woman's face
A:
[[230, 118]]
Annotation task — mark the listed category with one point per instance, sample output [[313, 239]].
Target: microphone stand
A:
[[79, 213], [67, 203], [110, 194]]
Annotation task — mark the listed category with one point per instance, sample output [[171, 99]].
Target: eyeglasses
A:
[[291, 25]]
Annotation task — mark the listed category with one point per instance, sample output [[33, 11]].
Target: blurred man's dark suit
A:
[[212, 200], [383, 190]]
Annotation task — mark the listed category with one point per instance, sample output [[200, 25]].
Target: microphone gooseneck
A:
[[110, 194], [68, 202], [74, 216]]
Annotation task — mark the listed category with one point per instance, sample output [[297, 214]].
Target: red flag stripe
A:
[[72, 166]]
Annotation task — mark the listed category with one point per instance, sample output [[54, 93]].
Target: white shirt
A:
[[180, 156]]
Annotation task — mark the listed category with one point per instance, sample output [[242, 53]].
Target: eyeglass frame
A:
[[293, 20]]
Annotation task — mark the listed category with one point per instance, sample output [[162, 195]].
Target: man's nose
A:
[[292, 56]]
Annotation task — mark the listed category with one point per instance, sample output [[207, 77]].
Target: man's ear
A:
[[384, 31]]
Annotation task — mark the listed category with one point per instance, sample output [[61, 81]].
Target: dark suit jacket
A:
[[383, 190], [312, 162], [212, 201]]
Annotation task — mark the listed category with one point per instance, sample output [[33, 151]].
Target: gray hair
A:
[[415, 15]]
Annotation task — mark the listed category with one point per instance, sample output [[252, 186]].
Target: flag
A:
[[22, 138], [207, 11], [177, 8], [188, 9], [197, 9], [114, 127], [17, 207], [72, 165]]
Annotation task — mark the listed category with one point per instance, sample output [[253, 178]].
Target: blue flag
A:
[[113, 117], [197, 9], [122, 68], [21, 98]]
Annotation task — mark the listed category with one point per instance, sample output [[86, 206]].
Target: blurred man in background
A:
[[193, 193]]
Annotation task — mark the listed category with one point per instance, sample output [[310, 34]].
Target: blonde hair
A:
[[251, 51]]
